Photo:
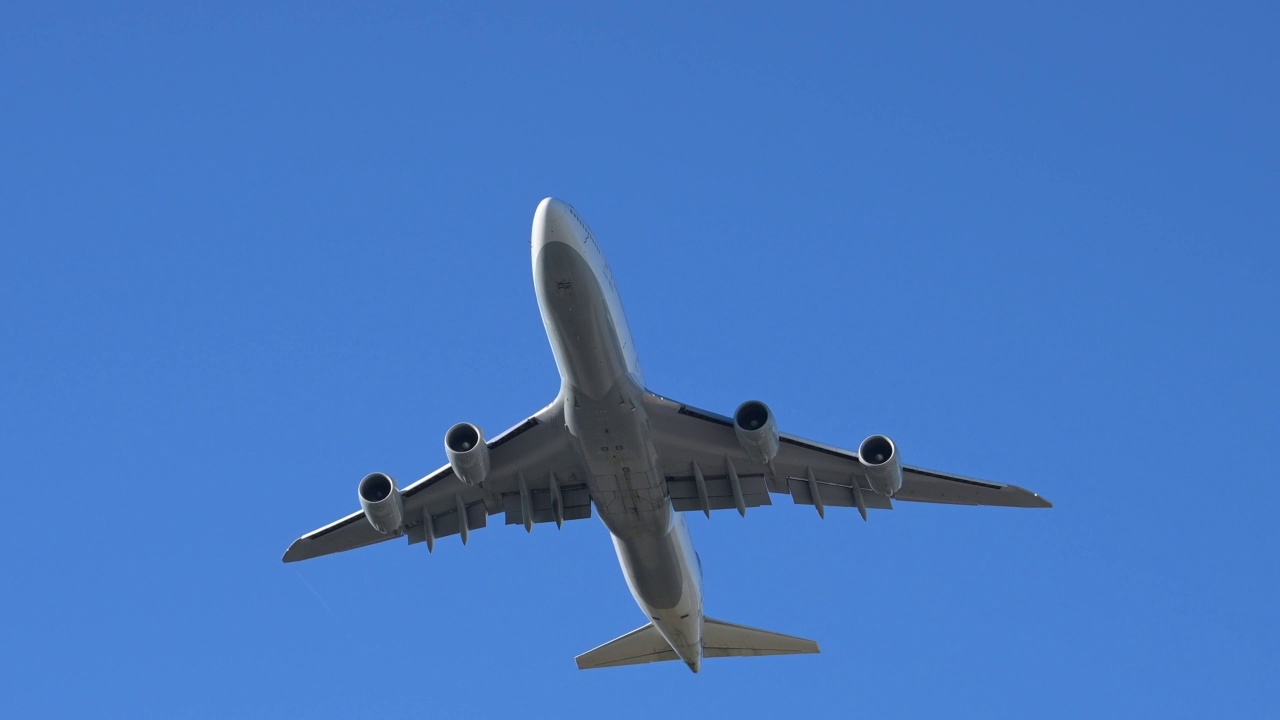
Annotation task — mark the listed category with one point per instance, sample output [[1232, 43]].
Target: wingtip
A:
[[1037, 501], [294, 553], [1025, 498]]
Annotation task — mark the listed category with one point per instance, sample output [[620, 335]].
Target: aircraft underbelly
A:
[[605, 413], [579, 323], [603, 402], [626, 481]]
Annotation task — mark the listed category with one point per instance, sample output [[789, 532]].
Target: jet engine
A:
[[468, 454], [380, 500], [879, 458], [756, 431]]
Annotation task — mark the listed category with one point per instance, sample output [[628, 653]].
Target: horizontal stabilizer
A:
[[722, 639], [719, 639], [643, 645]]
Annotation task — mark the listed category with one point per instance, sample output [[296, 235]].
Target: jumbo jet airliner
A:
[[640, 460]]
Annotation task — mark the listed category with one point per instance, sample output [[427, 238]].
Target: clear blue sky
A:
[[249, 254]]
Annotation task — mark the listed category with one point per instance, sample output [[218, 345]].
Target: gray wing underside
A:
[[539, 452], [440, 505], [811, 473]]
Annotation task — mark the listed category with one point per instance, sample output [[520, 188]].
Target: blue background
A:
[[249, 254]]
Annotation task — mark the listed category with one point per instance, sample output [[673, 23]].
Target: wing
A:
[[701, 459], [534, 477]]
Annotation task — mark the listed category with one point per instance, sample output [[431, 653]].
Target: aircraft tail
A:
[[722, 639], [719, 639], [642, 645]]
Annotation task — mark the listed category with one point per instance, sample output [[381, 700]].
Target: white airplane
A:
[[640, 459]]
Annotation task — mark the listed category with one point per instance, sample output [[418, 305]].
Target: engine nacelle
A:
[[757, 433], [468, 453], [879, 458], [381, 502]]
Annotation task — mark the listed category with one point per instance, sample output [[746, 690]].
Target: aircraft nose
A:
[[552, 207], [553, 221], [553, 214]]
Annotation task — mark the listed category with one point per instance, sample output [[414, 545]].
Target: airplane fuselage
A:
[[607, 442], [603, 393]]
